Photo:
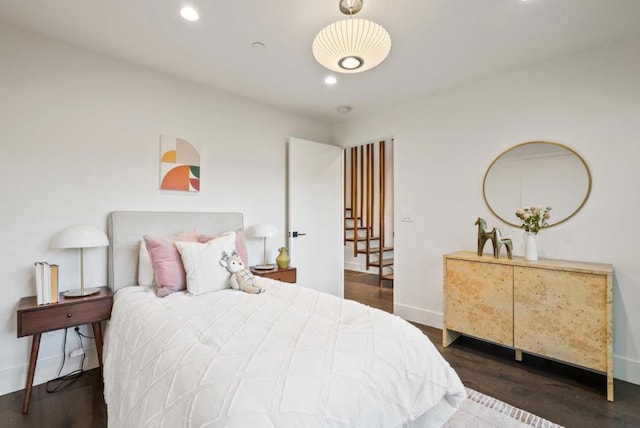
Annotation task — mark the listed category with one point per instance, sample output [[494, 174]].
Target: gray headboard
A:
[[126, 228]]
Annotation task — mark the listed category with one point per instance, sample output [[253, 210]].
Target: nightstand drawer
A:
[[62, 316], [284, 275]]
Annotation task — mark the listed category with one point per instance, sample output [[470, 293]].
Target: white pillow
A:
[[201, 263], [146, 276]]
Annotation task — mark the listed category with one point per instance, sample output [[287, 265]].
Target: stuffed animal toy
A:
[[241, 279]]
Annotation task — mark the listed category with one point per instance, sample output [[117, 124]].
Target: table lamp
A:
[[264, 231], [80, 236]]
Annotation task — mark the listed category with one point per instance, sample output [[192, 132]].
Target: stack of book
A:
[[46, 283]]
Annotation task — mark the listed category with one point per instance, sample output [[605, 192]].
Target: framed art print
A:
[[179, 164]]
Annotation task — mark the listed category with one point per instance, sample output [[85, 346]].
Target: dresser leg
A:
[[448, 337], [33, 359], [97, 334], [519, 355]]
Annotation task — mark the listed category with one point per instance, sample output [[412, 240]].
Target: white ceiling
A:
[[437, 44]]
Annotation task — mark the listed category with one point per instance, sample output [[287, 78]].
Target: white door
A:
[[315, 215]]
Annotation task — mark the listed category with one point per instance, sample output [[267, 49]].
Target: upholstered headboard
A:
[[126, 228]]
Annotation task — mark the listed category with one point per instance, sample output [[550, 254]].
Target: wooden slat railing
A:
[[364, 210]]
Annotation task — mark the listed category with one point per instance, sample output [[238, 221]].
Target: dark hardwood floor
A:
[[363, 288], [80, 405], [563, 394]]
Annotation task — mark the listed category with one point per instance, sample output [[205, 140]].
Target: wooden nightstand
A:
[[284, 275], [34, 319]]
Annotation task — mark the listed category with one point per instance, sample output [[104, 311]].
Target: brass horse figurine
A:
[[496, 239], [483, 235], [498, 242]]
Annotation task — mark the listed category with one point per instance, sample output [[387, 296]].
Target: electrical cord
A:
[[61, 382], [83, 335]]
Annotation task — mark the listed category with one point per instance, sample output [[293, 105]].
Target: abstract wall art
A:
[[179, 164]]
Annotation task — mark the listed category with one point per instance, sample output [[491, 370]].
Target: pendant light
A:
[[351, 45]]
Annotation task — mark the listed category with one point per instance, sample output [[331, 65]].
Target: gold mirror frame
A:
[[586, 168]]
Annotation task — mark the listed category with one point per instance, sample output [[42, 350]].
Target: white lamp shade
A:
[[80, 236], [264, 230], [351, 45]]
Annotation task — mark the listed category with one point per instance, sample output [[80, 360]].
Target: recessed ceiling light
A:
[[257, 45], [330, 80], [344, 109], [189, 13]]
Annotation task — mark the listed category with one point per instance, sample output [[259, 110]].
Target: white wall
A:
[[79, 135], [444, 143]]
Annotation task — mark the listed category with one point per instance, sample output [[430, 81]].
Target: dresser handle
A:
[[69, 315]]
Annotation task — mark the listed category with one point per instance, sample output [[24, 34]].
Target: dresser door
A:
[[479, 300], [561, 315]]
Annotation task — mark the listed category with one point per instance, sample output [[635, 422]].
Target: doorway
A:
[[368, 220]]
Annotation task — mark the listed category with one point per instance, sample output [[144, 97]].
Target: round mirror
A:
[[537, 173]]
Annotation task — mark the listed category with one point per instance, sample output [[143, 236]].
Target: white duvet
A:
[[289, 357]]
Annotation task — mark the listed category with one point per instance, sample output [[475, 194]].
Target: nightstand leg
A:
[[97, 334], [35, 347]]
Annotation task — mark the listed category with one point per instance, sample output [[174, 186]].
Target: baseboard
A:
[[419, 315], [626, 369], [13, 378]]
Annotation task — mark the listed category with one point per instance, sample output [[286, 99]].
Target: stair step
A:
[[362, 238], [359, 228], [373, 250], [387, 276], [385, 262]]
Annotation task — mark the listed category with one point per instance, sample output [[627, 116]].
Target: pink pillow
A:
[[166, 261], [241, 246]]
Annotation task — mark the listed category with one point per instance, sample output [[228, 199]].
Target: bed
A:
[[288, 357]]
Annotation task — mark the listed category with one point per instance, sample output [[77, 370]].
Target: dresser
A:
[[552, 308]]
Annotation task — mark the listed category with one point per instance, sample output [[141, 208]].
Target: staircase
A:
[[366, 208]]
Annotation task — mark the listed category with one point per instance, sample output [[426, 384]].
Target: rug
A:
[[482, 411]]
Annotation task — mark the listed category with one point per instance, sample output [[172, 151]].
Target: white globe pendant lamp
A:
[[351, 45]]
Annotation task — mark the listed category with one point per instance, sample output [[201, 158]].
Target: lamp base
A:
[[81, 292], [265, 267]]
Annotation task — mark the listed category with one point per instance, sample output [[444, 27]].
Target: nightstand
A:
[[34, 319], [284, 275]]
